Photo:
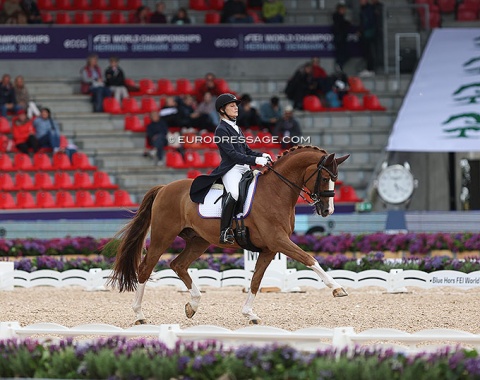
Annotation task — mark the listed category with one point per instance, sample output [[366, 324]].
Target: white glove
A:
[[267, 156], [261, 161]]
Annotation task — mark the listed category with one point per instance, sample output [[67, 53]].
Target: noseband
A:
[[316, 194]]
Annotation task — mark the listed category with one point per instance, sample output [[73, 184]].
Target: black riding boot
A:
[[228, 208]]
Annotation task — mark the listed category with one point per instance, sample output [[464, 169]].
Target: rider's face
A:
[[231, 109]]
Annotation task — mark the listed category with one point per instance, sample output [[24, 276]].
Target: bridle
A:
[[316, 194]]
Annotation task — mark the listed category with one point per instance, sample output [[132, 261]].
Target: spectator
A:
[[158, 17], [181, 17], [273, 11], [23, 97], [207, 107], [318, 71], [12, 13], [288, 129], [170, 113], [141, 16], [301, 84], [115, 80], [192, 115], [92, 83], [270, 113], [341, 27], [208, 86], [7, 97], [234, 12], [157, 136], [31, 11], [248, 116], [335, 87], [47, 130], [368, 37], [24, 133]]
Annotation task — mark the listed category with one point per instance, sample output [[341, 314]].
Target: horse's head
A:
[[320, 181]]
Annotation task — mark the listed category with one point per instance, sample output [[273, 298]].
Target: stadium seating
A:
[[348, 194], [111, 105], [132, 123], [63, 18], [192, 159], [130, 105], [312, 103], [80, 161], [100, 5], [101, 180], [121, 198], [446, 6], [117, 5], [25, 200], [184, 87], [83, 198], [41, 161], [356, 85], [62, 181], [47, 18], [198, 5], [466, 13], [46, 5], [133, 4], [165, 87], [103, 199], [22, 161], [61, 161], [6, 182], [193, 173], [174, 160], [45, 199], [81, 17], [7, 201], [372, 103], [5, 125], [216, 5], [148, 104], [81, 5], [23, 181], [211, 158], [99, 17], [352, 103], [147, 86], [212, 18], [6, 163], [117, 17], [43, 181], [64, 199], [82, 181]]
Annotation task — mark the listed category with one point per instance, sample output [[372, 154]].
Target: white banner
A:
[[441, 111]]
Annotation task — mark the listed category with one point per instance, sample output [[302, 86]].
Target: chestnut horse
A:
[[300, 171]]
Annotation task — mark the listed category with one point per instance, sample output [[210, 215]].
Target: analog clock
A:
[[395, 184]]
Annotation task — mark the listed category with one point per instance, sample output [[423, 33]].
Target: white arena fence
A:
[[395, 281], [307, 339]]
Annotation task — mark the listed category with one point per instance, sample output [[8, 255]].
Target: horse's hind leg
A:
[[194, 248], [264, 259]]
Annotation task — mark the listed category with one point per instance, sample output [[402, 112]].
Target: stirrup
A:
[[227, 237]]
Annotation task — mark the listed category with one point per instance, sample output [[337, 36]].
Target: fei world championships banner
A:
[[132, 42], [441, 112]]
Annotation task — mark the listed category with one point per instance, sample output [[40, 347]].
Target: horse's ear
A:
[[329, 159], [339, 160]]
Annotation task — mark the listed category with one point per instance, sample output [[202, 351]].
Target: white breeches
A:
[[232, 178], [119, 92]]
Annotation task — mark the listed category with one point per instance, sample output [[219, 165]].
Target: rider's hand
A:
[[261, 161], [267, 156]]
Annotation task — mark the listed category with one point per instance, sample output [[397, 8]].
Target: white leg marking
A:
[[137, 302], [195, 294], [331, 206], [326, 278], [247, 309]]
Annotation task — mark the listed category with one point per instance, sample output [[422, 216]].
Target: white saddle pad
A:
[[209, 209]]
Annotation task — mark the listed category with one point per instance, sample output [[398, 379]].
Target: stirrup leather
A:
[[228, 208]]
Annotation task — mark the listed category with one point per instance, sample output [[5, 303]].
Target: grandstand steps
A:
[[67, 103]]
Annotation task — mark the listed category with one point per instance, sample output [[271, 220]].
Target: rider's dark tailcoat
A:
[[233, 150]]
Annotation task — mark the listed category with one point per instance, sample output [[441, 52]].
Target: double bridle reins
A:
[[316, 194]]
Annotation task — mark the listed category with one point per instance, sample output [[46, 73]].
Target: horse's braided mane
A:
[[290, 150]]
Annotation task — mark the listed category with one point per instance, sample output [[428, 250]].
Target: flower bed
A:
[[118, 358]]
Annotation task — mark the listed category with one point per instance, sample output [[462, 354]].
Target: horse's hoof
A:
[[254, 321], [141, 322], [339, 292], [189, 312]]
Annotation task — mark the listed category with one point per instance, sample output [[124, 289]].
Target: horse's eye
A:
[[325, 179]]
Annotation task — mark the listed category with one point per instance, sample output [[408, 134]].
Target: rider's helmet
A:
[[225, 99]]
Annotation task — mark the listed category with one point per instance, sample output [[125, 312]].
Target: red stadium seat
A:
[[63, 5], [133, 4], [22, 161], [46, 5], [61, 161], [174, 160], [255, 17], [64, 199], [193, 159], [101, 180], [47, 17], [148, 104], [117, 17], [99, 17], [147, 86], [222, 85], [43, 181], [466, 13], [6, 163], [312, 103], [81, 5], [118, 5], [111, 105], [100, 5], [81, 17], [472, 4], [41, 161], [130, 105], [82, 180], [351, 102], [216, 5], [23, 181], [356, 85], [165, 87], [212, 18], [83, 198], [25, 200], [62, 181], [198, 5], [63, 18], [80, 161], [121, 198], [6, 182], [132, 123], [103, 199], [7, 201], [211, 158], [44, 199], [5, 125], [184, 87], [193, 173], [371, 102], [348, 194], [446, 6]]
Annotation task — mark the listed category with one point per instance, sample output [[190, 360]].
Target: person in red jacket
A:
[[24, 133]]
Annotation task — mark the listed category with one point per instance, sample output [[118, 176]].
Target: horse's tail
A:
[[132, 239]]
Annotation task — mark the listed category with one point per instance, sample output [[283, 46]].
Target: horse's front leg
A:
[[194, 248], [264, 259], [293, 251]]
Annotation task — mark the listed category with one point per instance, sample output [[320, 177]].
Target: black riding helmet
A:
[[225, 99]]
